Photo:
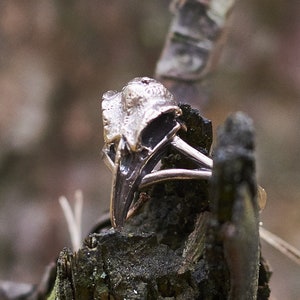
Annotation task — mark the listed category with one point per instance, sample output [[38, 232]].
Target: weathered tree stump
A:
[[191, 240]]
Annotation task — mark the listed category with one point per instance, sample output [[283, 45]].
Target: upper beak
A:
[[129, 169]]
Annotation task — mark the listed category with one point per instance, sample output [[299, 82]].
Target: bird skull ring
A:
[[140, 122]]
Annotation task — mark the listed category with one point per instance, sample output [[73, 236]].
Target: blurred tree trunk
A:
[[192, 48]]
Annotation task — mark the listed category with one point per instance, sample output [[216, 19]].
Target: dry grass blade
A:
[[73, 219]]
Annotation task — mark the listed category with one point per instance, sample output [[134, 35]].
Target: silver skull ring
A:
[[140, 122]]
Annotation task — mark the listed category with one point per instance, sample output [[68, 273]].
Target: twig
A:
[[73, 219]]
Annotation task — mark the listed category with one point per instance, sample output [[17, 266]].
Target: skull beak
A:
[[130, 168]]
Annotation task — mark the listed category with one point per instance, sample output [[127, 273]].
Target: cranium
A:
[[128, 112]]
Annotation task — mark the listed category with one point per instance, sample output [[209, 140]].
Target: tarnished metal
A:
[[138, 123]]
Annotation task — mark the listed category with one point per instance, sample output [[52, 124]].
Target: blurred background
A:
[[57, 58]]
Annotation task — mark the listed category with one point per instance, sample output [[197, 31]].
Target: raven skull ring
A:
[[140, 122]]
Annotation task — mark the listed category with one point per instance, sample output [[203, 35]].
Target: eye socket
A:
[[157, 130], [112, 151]]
